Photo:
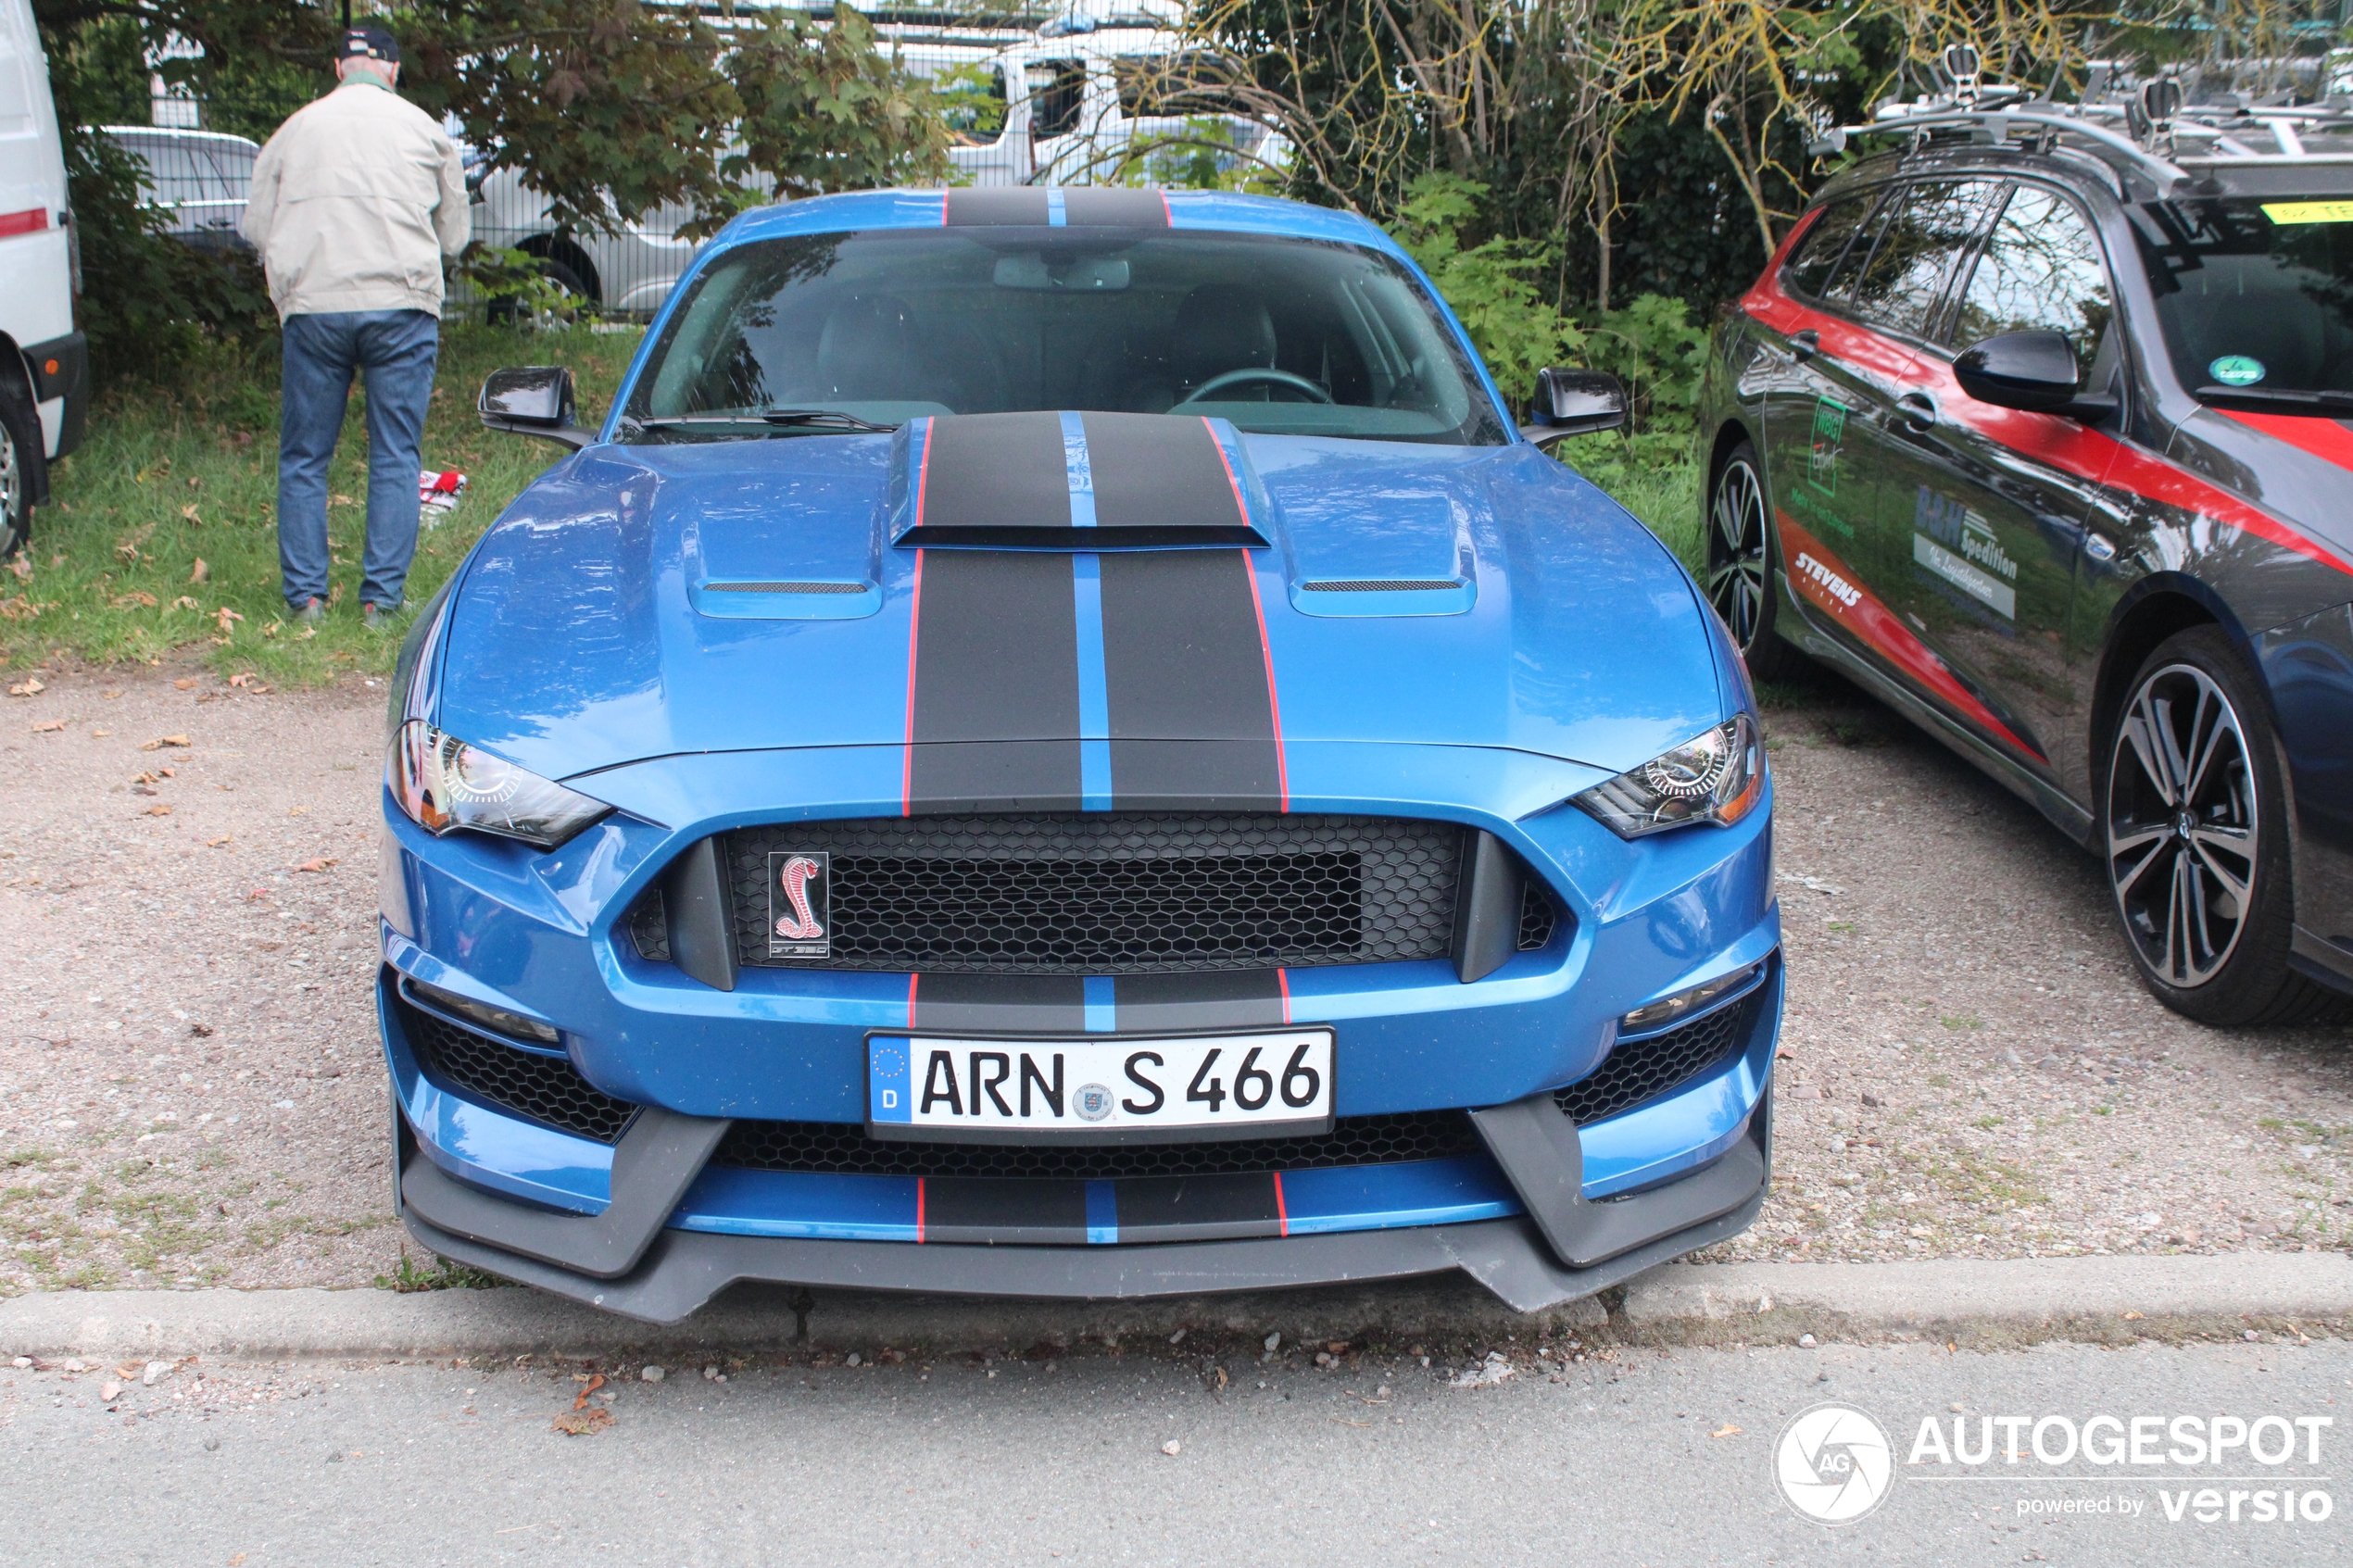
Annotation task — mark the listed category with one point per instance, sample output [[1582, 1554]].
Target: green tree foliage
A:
[[1491, 285], [609, 107]]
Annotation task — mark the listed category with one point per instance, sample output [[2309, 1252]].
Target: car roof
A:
[[167, 132], [1223, 211]]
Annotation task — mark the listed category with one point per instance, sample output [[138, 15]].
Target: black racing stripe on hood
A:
[[1169, 1004], [981, 1208], [1026, 1004], [992, 472], [1192, 721], [1161, 472], [996, 204], [1114, 206], [994, 694]]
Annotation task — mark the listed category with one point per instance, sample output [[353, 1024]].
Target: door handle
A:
[[1805, 344], [1917, 410], [2099, 547]]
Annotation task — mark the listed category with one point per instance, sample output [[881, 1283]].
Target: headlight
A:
[[1717, 776], [443, 784]]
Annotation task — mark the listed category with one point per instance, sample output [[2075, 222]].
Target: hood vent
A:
[[1074, 481], [1385, 586]]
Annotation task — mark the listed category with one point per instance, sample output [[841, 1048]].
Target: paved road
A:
[[1632, 1460]]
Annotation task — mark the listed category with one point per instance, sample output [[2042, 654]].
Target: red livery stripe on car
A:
[[31, 221], [2061, 442], [1825, 581]]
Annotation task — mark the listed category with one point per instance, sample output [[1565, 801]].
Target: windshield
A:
[[1280, 335], [2254, 294]]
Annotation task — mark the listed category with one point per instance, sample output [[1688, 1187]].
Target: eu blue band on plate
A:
[[886, 1081]]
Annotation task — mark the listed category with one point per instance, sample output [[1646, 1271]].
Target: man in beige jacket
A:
[[357, 201]]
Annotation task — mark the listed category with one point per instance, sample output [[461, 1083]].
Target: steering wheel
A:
[[1257, 375]]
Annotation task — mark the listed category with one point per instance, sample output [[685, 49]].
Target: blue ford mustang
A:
[[1061, 742]]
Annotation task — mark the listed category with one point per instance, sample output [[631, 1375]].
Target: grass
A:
[[177, 474], [161, 535]]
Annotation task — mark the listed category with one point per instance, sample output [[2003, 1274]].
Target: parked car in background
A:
[[202, 178], [43, 364], [2035, 427]]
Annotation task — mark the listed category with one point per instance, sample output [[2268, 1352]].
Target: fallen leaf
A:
[[584, 1423], [244, 678], [189, 511], [224, 615], [29, 686], [100, 734], [315, 865], [22, 568], [156, 811], [186, 683], [587, 1388], [110, 696], [50, 725], [216, 843], [21, 608], [2132, 1317], [272, 629], [109, 1391], [1727, 1430], [128, 1369], [299, 811], [166, 772], [334, 500], [135, 600], [162, 741], [184, 602]]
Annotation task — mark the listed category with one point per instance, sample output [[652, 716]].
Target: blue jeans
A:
[[396, 352]]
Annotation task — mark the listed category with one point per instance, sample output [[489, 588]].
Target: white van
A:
[[44, 363]]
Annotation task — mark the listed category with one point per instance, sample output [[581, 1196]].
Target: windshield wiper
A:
[[823, 419], [2328, 404], [819, 421]]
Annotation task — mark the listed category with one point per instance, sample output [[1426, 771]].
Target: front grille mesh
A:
[[845, 1150], [1113, 893], [1639, 1071], [545, 1089], [1536, 919]]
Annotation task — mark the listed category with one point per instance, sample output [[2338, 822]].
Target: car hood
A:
[[646, 601]]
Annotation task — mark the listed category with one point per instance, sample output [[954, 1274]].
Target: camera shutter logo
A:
[[1834, 1465], [800, 903]]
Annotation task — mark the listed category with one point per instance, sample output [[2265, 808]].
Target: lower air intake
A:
[[1641, 1070], [845, 1150], [545, 1089]]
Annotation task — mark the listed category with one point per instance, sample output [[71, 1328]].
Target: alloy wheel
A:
[[1736, 553], [2181, 825], [12, 477]]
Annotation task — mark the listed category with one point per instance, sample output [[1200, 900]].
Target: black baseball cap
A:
[[369, 44]]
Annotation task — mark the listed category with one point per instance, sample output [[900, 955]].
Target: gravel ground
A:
[[190, 1091], [1969, 1065]]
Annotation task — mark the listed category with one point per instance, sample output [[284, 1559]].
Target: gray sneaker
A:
[[311, 613], [376, 617]]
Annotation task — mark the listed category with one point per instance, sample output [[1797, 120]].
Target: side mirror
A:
[[2033, 371], [533, 400], [1575, 403]]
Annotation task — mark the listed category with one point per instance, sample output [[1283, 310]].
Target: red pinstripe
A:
[[1282, 1209], [907, 749]]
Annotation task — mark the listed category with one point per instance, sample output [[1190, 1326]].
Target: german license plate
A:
[[1100, 1090]]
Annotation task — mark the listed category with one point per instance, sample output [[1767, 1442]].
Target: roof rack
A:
[[2146, 129]]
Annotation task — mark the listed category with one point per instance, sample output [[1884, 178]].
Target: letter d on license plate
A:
[[1101, 1089]]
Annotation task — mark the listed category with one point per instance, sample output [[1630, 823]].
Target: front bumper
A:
[[678, 1224], [1486, 1145]]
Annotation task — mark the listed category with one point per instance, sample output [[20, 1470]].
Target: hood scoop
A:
[[1074, 481]]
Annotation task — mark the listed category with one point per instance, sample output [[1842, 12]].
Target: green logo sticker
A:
[[1829, 433], [2236, 369]]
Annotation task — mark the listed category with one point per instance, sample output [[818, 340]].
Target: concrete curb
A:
[[1985, 1304]]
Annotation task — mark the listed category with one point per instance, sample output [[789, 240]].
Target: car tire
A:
[[2193, 830], [504, 311], [1739, 564], [19, 460]]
